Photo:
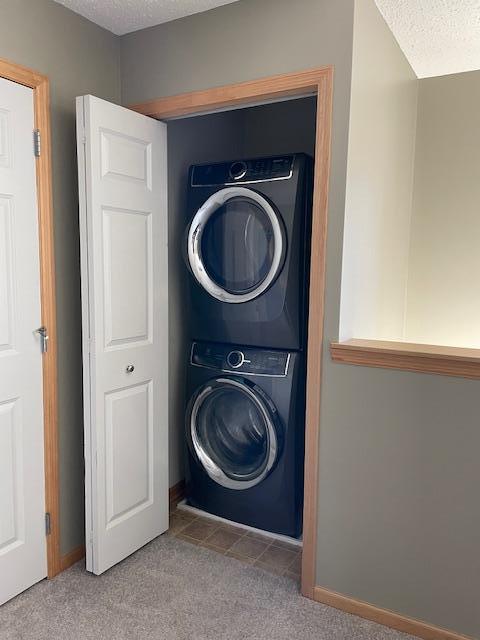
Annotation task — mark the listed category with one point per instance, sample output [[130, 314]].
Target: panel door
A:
[[23, 559], [123, 219]]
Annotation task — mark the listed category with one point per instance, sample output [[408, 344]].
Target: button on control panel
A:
[[240, 359]]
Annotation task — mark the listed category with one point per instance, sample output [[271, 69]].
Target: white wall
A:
[[379, 182], [444, 274], [411, 255]]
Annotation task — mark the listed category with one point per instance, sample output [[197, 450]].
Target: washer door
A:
[[232, 431], [236, 245]]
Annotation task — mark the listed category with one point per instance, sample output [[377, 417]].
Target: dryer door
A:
[[233, 432], [236, 245]]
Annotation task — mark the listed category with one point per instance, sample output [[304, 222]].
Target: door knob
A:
[[130, 368]]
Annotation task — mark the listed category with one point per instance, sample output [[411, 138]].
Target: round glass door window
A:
[[236, 245], [233, 433]]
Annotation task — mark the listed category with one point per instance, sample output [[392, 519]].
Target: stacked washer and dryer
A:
[[247, 249]]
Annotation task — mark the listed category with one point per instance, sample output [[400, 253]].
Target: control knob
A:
[[235, 359]]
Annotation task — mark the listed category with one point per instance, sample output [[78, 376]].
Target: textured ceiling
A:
[[438, 37], [124, 16]]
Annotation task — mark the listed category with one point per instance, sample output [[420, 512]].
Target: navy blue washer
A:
[[245, 434]]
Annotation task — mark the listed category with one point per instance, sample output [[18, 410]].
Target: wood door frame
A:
[[317, 82], [41, 99]]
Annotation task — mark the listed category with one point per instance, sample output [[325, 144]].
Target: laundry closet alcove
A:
[[302, 113]]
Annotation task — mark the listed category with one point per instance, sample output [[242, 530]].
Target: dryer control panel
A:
[[236, 359], [242, 171]]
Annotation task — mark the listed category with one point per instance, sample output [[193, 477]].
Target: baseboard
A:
[[72, 557], [384, 616], [176, 493]]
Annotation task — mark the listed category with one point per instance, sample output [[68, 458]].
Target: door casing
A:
[[41, 97], [318, 82]]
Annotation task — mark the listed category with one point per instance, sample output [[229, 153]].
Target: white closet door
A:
[[123, 226], [23, 559]]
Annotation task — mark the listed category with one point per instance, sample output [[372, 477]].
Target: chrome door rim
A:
[[195, 233], [210, 466]]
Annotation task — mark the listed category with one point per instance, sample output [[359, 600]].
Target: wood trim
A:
[[40, 85], [384, 616], [407, 356], [264, 89], [21, 75], [317, 82], [49, 320], [315, 330], [176, 493], [72, 557]]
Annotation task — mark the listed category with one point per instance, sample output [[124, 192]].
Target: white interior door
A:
[[123, 220], [23, 559]]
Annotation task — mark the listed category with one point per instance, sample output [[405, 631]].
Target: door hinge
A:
[[48, 524], [37, 141]]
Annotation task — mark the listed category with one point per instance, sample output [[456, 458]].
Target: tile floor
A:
[[274, 556]]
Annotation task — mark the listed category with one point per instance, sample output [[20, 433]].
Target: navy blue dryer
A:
[[247, 248]]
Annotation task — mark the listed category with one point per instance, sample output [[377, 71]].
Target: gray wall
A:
[[398, 506], [399, 515], [266, 130], [399, 476], [79, 58]]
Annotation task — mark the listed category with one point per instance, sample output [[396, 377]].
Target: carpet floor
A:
[[172, 590]]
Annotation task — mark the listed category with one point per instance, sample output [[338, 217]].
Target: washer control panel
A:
[[242, 171], [243, 360]]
